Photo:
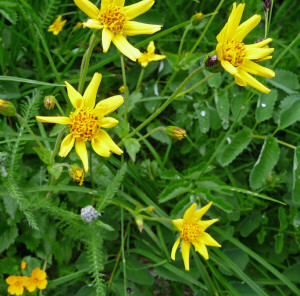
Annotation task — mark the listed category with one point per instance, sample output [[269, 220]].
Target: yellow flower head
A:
[[86, 121], [192, 230], [150, 56], [23, 265], [57, 26], [115, 20], [36, 280], [16, 284], [76, 173], [240, 59]]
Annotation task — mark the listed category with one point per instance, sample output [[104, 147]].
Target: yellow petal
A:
[[66, 145], [206, 223], [185, 249], [144, 64], [106, 39], [100, 147], [108, 105], [228, 67], [125, 47], [119, 3], [253, 82], [239, 80], [257, 69], [247, 26], [234, 21], [259, 44], [189, 213], [74, 96], [258, 53], [89, 97], [108, 122], [92, 24], [151, 47], [135, 28], [222, 35], [134, 10], [178, 223], [199, 213], [53, 119], [201, 248], [80, 147], [158, 57], [105, 3], [42, 284], [88, 8], [11, 280], [208, 240], [104, 136], [174, 249], [219, 50]]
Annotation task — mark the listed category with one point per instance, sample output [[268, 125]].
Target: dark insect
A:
[[211, 61]]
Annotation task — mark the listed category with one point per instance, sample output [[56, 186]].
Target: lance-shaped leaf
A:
[[296, 177]]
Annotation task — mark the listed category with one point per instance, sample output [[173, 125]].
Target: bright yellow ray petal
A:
[[53, 119], [174, 249], [206, 223], [189, 213], [201, 248], [134, 10], [158, 57], [219, 50], [185, 249], [257, 69], [259, 44], [253, 82], [89, 97], [239, 80], [178, 223], [258, 53], [66, 145], [151, 47], [125, 47], [246, 27], [104, 4], [135, 28], [42, 284], [108, 122], [108, 105], [104, 136], [221, 36], [100, 147], [119, 3], [74, 96], [80, 147], [88, 8], [106, 39], [228, 67], [92, 24], [199, 213], [144, 64], [208, 240], [234, 21]]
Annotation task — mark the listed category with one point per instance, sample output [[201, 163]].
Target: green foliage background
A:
[[253, 179]]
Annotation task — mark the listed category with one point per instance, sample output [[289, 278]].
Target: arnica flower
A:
[[86, 121], [115, 20], [7, 108], [76, 173], [192, 231], [150, 56], [238, 58], [36, 280], [57, 26], [175, 132], [16, 284]]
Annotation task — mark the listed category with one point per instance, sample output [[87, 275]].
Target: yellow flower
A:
[[57, 26], [23, 265], [192, 230], [86, 121], [36, 280], [78, 25], [16, 284], [122, 89], [240, 59], [76, 173], [150, 56], [116, 21]]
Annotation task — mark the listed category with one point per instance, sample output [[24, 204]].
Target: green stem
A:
[[167, 103], [123, 251], [56, 147], [125, 95], [138, 86], [266, 24], [30, 131], [169, 82], [167, 152], [182, 41], [151, 132], [59, 108], [279, 142]]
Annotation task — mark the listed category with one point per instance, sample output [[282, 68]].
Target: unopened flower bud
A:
[[89, 214], [122, 89], [175, 132], [197, 17], [49, 102], [77, 173], [78, 25], [23, 265], [267, 4], [211, 62], [139, 223], [150, 209], [7, 108]]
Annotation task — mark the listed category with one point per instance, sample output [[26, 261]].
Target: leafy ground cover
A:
[[104, 226]]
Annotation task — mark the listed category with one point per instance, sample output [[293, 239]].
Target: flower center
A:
[[112, 18], [191, 232], [83, 124], [234, 52]]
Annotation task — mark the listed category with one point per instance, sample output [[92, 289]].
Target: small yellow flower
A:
[[192, 231], [86, 121], [76, 173], [36, 280], [57, 26], [115, 20], [240, 59], [150, 56], [23, 265], [122, 89], [198, 16], [78, 25], [16, 284]]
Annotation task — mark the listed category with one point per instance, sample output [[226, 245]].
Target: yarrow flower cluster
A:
[[89, 214]]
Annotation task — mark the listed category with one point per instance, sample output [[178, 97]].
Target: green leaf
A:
[[296, 177], [290, 111], [175, 189], [235, 147], [279, 243], [44, 154], [132, 147], [138, 272], [267, 159], [265, 105], [7, 237], [282, 218], [292, 273], [9, 90], [285, 80], [261, 236], [203, 117], [222, 104], [55, 170], [250, 223]]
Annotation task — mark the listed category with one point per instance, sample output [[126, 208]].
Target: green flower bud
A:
[[49, 102], [197, 18], [212, 64], [76, 173], [175, 132], [150, 209], [7, 108]]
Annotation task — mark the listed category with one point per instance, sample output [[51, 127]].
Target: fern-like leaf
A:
[[48, 12]]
